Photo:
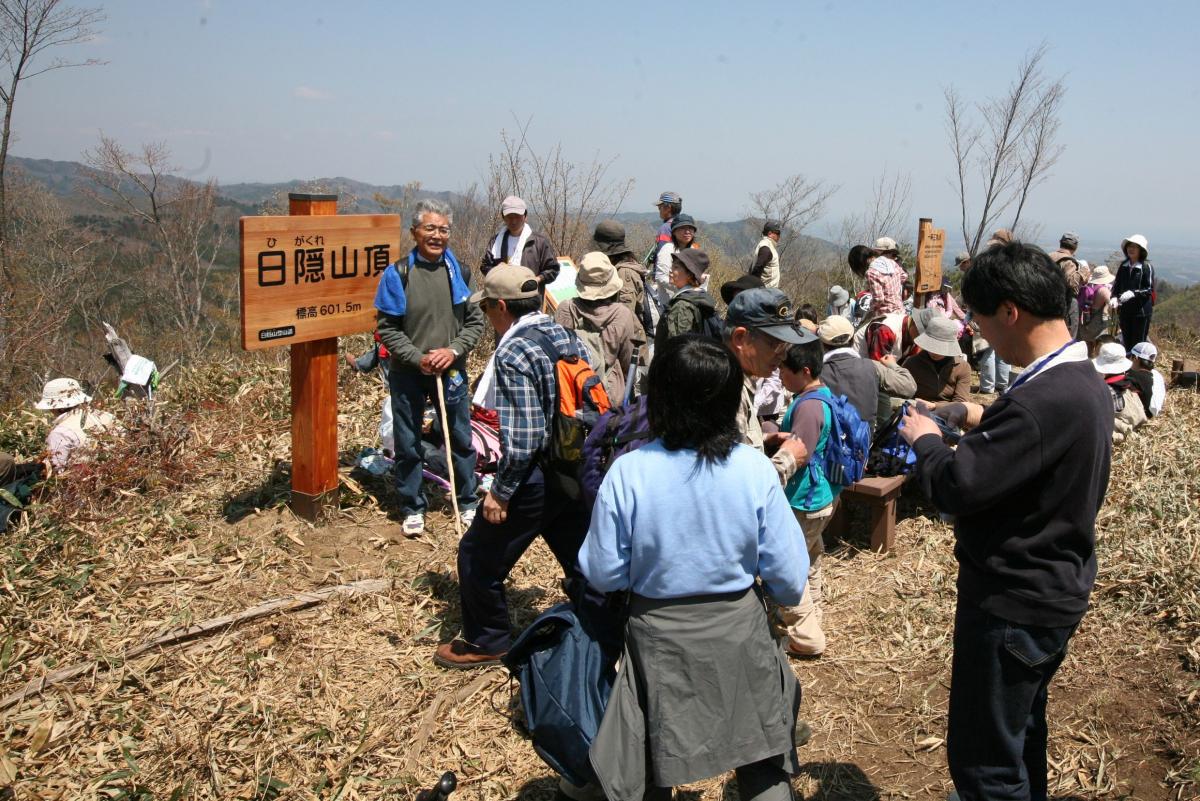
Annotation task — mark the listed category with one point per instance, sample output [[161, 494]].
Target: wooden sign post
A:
[[307, 279], [931, 246]]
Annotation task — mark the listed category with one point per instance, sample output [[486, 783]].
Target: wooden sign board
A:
[[562, 287], [310, 278], [931, 246]]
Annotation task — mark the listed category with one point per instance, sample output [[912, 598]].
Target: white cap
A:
[[512, 205], [1145, 350]]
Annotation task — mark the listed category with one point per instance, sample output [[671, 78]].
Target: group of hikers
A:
[[725, 440], [682, 464]]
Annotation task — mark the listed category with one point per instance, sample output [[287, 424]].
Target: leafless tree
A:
[[795, 203], [1006, 143], [885, 213], [178, 215], [565, 199]]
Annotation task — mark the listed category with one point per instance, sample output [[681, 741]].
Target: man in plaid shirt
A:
[[522, 387]]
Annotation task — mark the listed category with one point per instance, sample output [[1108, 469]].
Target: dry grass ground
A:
[[340, 700]]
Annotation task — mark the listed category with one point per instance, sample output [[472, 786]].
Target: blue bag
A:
[[566, 678]]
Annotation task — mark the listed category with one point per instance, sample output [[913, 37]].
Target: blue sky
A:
[[713, 100]]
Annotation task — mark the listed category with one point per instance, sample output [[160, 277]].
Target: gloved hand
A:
[[1126, 296], [1113, 303]]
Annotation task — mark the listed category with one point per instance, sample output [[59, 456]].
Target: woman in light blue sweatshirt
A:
[[688, 523]]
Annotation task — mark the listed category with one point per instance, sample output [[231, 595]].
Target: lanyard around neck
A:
[[1037, 368]]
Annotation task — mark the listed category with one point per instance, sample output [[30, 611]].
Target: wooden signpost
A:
[[931, 245], [307, 279]]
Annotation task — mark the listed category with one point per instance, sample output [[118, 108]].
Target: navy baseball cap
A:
[[769, 311]]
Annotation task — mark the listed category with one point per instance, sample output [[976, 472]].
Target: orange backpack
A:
[[581, 400]]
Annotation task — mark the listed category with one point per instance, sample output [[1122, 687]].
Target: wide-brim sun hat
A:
[[1101, 275], [1111, 360], [62, 393], [1138, 240], [597, 279], [609, 238], [940, 337], [838, 296]]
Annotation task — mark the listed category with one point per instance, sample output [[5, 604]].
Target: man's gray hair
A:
[[430, 206]]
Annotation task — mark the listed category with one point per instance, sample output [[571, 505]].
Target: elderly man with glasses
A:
[[429, 326]]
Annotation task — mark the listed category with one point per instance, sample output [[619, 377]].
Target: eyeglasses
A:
[[777, 346], [444, 230]]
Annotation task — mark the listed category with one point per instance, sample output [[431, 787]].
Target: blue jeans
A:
[[993, 372], [996, 743], [409, 391]]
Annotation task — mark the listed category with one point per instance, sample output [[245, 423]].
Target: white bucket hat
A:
[[1101, 275], [597, 279], [940, 336], [1138, 240], [62, 393], [1112, 359]]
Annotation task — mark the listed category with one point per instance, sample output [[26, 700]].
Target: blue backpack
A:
[[566, 678], [846, 447], [620, 430]]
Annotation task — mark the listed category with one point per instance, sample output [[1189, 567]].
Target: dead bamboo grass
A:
[[341, 700]]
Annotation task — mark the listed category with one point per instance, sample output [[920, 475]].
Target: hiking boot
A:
[[808, 648], [467, 517], [457, 655], [413, 525]]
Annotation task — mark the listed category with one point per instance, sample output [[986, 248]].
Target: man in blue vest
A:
[[429, 327]]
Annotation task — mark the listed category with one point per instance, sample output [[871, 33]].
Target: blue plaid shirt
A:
[[526, 391]]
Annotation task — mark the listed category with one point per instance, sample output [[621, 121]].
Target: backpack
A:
[[580, 399], [486, 441], [566, 678], [847, 445], [890, 454], [1073, 270], [593, 340], [619, 431], [1087, 294]]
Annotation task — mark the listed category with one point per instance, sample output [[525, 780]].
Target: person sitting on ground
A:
[[1129, 412], [1093, 306], [809, 492], [943, 300], [872, 386], [766, 255], [689, 523], [940, 370], [522, 503], [691, 310], [885, 277], [838, 303], [607, 326], [71, 439], [375, 357], [1150, 382], [11, 470], [893, 334], [518, 243]]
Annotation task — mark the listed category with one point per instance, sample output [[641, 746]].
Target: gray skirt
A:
[[703, 688]]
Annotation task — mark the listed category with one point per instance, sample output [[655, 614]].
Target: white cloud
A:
[[309, 93]]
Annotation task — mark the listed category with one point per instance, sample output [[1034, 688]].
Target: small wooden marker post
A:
[[307, 279], [931, 246], [314, 401]]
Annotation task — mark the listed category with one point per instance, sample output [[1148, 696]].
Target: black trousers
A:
[[488, 552], [1134, 328], [996, 744]]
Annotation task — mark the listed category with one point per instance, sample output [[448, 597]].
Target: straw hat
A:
[[597, 279], [1101, 275], [1112, 359], [62, 393], [940, 337]]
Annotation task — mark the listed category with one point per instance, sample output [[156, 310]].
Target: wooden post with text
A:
[[307, 279], [931, 246]]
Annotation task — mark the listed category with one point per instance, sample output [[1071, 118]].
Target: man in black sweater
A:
[[1024, 487]]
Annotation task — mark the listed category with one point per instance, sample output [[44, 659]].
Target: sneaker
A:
[[467, 516], [413, 525], [457, 655]]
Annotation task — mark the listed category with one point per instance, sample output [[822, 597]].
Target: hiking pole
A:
[[441, 386]]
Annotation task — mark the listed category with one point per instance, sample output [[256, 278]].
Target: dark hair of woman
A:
[[695, 386], [807, 312], [810, 355], [859, 259], [1020, 274]]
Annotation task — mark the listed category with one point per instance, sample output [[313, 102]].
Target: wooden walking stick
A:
[[441, 386]]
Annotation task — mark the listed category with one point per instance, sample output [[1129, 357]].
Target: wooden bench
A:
[[880, 494]]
